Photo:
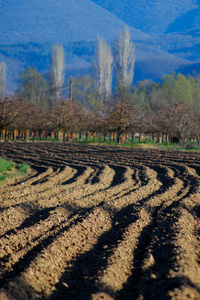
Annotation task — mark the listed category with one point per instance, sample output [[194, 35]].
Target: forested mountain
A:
[[57, 21], [165, 33], [150, 16], [187, 23]]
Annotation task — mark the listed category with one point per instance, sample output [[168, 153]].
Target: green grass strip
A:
[[7, 166]]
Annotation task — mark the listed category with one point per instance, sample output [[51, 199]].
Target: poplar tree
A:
[[2, 79], [103, 68], [57, 74], [124, 57]]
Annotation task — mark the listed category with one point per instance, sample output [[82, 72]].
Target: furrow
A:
[[119, 265], [40, 278], [16, 243]]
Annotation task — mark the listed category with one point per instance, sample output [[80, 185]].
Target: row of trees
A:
[[169, 110], [69, 121]]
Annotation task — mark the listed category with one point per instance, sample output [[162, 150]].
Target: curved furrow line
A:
[[171, 186], [144, 262], [104, 192], [49, 190], [187, 178], [13, 217], [15, 183], [186, 258], [40, 277], [119, 177], [127, 226], [103, 195], [191, 179], [94, 178], [168, 269], [153, 185], [12, 191], [175, 188], [195, 166], [44, 225], [36, 202], [54, 179], [119, 265], [33, 160], [58, 194], [150, 188], [120, 259], [41, 172], [16, 243], [94, 194], [78, 180], [74, 190], [74, 193], [140, 210]]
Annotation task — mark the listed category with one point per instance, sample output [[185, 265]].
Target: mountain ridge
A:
[[160, 49], [150, 16], [59, 22]]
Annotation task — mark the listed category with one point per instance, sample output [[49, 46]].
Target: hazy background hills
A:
[[150, 16], [165, 33], [57, 21]]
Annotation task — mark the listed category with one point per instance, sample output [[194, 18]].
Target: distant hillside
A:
[[188, 23], [57, 21], [28, 29], [150, 16]]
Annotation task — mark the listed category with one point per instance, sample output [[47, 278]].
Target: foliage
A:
[[33, 87], [177, 88]]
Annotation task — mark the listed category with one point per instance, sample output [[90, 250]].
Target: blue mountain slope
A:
[[150, 16], [57, 21], [29, 28], [188, 23]]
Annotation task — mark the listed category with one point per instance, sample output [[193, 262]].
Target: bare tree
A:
[[122, 119], [103, 70], [124, 58], [2, 79], [12, 111], [57, 71]]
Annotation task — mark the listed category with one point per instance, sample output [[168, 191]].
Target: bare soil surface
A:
[[94, 222]]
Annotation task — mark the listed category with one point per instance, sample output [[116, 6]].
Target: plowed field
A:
[[94, 222]]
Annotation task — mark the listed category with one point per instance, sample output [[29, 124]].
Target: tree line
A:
[[105, 105]]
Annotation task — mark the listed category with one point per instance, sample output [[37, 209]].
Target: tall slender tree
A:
[[57, 73], [124, 57], [103, 67], [2, 79]]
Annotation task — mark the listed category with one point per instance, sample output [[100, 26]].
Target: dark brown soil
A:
[[94, 222]]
